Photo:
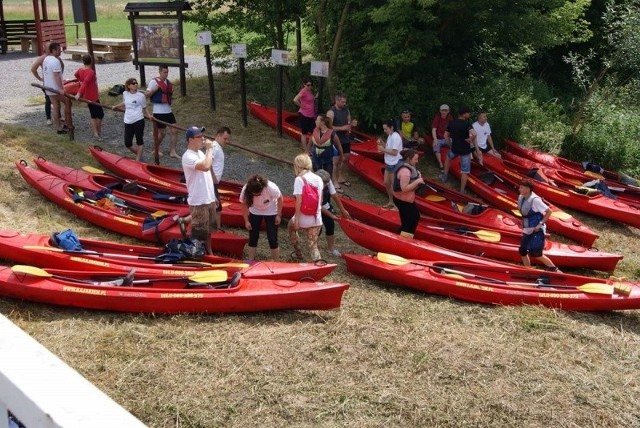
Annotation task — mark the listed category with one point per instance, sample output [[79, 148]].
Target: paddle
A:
[[79, 196], [206, 276], [93, 170], [435, 198], [129, 256], [485, 235], [592, 287]]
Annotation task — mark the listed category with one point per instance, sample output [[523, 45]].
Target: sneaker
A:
[[49, 122], [335, 253]]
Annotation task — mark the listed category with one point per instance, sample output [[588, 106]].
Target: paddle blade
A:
[[435, 198], [43, 248], [208, 276], [488, 235], [596, 288], [92, 170], [31, 270], [392, 259]]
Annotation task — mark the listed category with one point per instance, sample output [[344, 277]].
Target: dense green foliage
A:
[[560, 74]]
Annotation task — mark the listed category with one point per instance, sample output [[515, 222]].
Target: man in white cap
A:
[[197, 174], [438, 127]]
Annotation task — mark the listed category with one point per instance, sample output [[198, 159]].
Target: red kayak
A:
[[166, 177], [497, 285], [111, 291], [103, 255], [441, 201], [375, 239], [566, 164], [567, 196], [575, 178], [134, 223], [504, 195], [141, 193], [475, 240], [361, 143]]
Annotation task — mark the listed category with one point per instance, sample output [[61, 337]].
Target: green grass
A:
[[111, 21]]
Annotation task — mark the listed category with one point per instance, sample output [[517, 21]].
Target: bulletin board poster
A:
[[158, 41]]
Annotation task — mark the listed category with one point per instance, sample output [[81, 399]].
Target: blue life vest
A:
[[530, 218]]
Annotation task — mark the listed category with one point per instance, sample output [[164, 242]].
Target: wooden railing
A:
[[50, 31]]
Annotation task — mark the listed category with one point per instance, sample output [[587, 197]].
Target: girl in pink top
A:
[[306, 100]]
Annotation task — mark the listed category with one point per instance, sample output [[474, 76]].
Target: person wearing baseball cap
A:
[[201, 195], [438, 128]]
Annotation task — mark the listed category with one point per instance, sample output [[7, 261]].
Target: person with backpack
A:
[[307, 189], [261, 199], [535, 214], [406, 180]]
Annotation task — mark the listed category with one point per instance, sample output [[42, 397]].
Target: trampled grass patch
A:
[[388, 357]]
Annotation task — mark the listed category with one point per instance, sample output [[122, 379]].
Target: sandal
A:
[[339, 189], [345, 183]]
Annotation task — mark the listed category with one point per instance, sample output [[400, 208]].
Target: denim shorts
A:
[[465, 161]]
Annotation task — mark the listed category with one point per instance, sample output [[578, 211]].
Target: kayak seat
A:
[[487, 177]]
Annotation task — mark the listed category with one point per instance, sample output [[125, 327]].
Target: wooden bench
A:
[[28, 41], [101, 56]]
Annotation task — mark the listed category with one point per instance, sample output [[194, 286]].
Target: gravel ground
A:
[[22, 104]]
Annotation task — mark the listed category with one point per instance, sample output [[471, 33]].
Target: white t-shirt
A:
[[394, 141], [483, 132], [309, 220], [332, 191], [266, 203], [218, 160], [199, 183], [157, 107], [51, 65], [537, 206], [134, 105]]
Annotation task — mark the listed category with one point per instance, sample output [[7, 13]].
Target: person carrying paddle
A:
[[261, 200], [89, 91], [535, 214], [160, 93], [197, 173], [406, 180], [52, 69], [329, 216], [135, 110]]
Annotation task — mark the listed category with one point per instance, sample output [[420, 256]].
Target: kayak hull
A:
[[37, 250], [136, 225], [168, 297], [513, 286], [460, 237]]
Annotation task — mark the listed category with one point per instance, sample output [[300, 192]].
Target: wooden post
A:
[[87, 33], [212, 90], [243, 91], [279, 90], [298, 41]]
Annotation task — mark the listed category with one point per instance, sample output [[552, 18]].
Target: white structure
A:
[[43, 392]]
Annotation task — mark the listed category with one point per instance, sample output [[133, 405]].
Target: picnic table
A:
[[119, 49]]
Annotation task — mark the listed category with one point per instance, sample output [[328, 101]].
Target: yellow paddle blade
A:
[[435, 198], [488, 235], [454, 275], [159, 213], [596, 288], [392, 259], [560, 215], [43, 248], [594, 175], [92, 170], [30, 270], [227, 192], [214, 265], [209, 276]]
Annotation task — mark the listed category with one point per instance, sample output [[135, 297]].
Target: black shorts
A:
[[485, 150], [96, 112], [306, 124], [165, 117]]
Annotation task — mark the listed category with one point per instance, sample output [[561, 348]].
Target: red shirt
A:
[[440, 124], [88, 84]]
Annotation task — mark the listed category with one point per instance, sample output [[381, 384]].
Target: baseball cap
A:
[[444, 107], [194, 131]]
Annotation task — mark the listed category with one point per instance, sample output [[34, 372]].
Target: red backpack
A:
[[310, 198]]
